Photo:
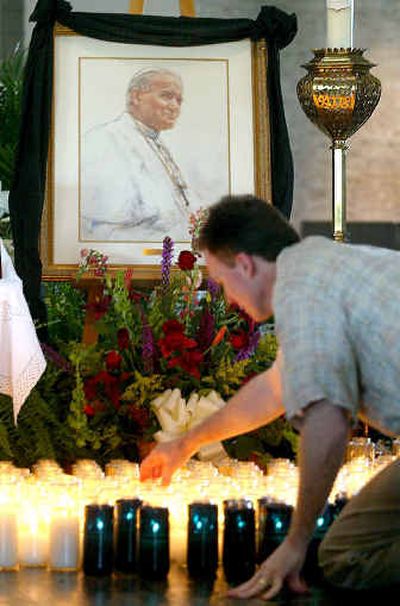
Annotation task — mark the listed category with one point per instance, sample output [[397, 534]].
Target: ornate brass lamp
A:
[[338, 94]]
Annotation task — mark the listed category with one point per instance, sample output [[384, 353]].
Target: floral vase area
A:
[[164, 359]]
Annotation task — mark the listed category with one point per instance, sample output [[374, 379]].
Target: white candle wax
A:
[[33, 546], [339, 22], [8, 540], [64, 543]]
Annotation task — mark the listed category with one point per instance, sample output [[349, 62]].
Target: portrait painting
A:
[[144, 136], [154, 146]]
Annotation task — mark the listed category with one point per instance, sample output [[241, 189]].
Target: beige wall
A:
[[374, 157]]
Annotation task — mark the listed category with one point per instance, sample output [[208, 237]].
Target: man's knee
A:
[[347, 568], [339, 566]]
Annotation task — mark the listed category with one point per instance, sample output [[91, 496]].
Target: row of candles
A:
[[49, 518]]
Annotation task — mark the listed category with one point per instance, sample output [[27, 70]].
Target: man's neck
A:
[[147, 131]]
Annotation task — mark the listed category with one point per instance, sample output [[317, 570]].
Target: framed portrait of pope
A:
[[143, 137]]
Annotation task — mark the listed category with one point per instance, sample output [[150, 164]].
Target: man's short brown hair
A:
[[246, 224]]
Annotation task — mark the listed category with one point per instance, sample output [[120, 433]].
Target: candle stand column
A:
[[338, 94]]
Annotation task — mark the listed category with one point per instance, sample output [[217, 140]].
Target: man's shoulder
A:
[[116, 138], [120, 124], [311, 252]]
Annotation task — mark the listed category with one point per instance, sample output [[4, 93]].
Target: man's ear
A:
[[135, 98], [246, 264]]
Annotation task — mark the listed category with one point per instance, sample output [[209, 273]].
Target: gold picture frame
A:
[[247, 137]]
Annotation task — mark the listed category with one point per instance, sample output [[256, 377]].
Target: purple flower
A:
[[248, 351], [53, 356], [213, 288], [148, 347], [166, 261], [206, 330]]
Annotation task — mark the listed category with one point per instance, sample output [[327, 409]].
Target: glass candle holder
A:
[[33, 523], [64, 496], [8, 524], [202, 540], [273, 525], [396, 447], [341, 501], [98, 540], [311, 569], [360, 448], [154, 542], [239, 541], [125, 534]]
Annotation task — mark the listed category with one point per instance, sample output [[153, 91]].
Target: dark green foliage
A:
[[11, 79], [66, 313], [41, 431], [278, 439], [62, 422]]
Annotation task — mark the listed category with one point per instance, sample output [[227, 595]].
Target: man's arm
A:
[[324, 435], [255, 404]]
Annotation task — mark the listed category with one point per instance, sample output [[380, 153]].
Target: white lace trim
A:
[[21, 358]]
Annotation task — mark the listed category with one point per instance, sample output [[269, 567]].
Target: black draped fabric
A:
[[28, 188]]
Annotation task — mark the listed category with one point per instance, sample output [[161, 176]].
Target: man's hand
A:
[[164, 460], [282, 567]]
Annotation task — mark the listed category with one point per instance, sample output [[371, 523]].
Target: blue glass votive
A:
[[125, 534], [98, 540], [202, 540], [239, 542], [340, 502], [154, 542], [311, 569], [273, 525]]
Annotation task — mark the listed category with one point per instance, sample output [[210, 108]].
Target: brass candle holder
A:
[[338, 94]]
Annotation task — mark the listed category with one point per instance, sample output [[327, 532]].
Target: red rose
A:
[[113, 360], [139, 415], [186, 260], [188, 361], [172, 326], [89, 410], [135, 296], [90, 388], [111, 387], [239, 339], [123, 338], [175, 342]]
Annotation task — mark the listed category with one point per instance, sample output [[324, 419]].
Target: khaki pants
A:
[[362, 548]]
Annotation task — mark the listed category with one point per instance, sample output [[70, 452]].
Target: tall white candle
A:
[[339, 23], [64, 543], [32, 541], [8, 540]]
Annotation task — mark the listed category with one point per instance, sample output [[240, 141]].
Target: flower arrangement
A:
[[182, 335]]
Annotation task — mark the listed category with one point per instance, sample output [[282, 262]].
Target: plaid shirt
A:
[[337, 313]]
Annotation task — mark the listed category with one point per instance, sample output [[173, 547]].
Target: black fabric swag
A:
[[28, 187]]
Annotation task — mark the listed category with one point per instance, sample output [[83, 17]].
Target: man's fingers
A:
[[297, 584], [273, 589], [254, 586], [240, 590], [166, 476], [149, 466], [156, 471]]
